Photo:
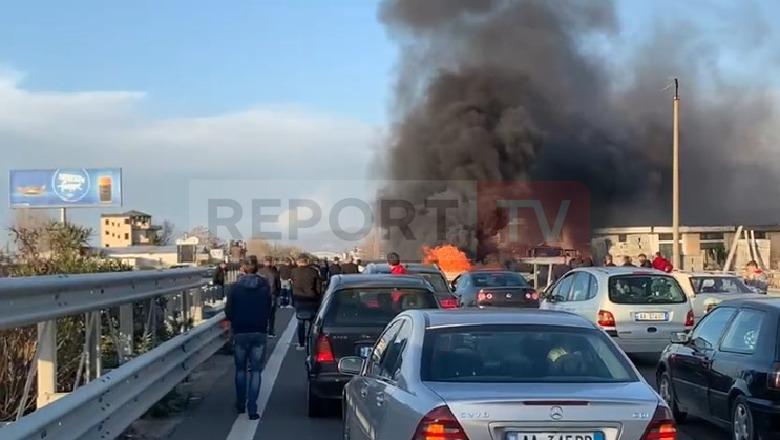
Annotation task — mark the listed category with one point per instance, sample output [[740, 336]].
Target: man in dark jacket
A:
[[644, 262], [307, 294], [247, 309], [285, 275], [219, 281], [335, 268], [271, 274], [349, 267]]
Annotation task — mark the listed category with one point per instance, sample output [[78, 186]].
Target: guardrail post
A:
[[125, 332], [47, 361], [185, 310], [94, 358], [196, 308]]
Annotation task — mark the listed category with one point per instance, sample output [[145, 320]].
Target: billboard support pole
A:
[[64, 216]]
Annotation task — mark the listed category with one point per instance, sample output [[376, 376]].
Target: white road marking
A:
[[243, 428]]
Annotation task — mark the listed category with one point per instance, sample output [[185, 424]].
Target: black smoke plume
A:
[[512, 90]]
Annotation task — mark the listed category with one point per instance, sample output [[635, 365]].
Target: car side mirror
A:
[[681, 337], [351, 365]]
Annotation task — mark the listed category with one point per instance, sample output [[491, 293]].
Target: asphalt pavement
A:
[[282, 401]]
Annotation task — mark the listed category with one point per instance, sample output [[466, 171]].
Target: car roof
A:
[[488, 270], [765, 302], [461, 317], [417, 267], [706, 274], [378, 280], [619, 270]]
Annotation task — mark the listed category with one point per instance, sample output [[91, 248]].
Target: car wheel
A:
[[314, 403], [666, 391], [742, 426]]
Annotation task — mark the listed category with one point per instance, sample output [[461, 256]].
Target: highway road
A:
[[283, 407]]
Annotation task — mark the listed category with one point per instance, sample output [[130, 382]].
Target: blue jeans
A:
[[249, 353]]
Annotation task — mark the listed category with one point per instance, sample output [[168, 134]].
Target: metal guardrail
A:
[[29, 300], [105, 407]]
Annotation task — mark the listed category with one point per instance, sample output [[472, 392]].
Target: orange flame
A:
[[449, 258]]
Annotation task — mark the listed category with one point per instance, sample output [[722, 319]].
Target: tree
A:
[[165, 235]]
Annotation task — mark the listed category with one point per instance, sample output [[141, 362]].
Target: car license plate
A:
[[555, 436], [651, 316], [365, 352]]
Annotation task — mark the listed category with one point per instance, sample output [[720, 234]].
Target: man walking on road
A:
[[247, 309], [349, 267], [285, 275], [307, 294], [271, 274]]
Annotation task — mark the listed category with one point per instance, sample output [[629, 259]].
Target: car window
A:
[[645, 289], [463, 282], [742, 335], [522, 353], [381, 347], [732, 285], [580, 286], [706, 335], [437, 281], [375, 306], [499, 279], [390, 363], [593, 287], [562, 289]]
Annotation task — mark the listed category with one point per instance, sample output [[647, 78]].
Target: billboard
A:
[[66, 187]]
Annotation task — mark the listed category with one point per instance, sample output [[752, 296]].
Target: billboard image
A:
[[66, 187]]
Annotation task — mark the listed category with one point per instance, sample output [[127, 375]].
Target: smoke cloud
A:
[[513, 90]]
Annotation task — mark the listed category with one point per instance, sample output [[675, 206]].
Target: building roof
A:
[[134, 250], [683, 229], [131, 213]]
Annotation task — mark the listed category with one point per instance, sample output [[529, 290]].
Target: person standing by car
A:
[[360, 266], [219, 281], [627, 261], [271, 274], [394, 261], [661, 263], [247, 309], [755, 277], [608, 261], [644, 262], [335, 268], [307, 294], [285, 275], [349, 267]]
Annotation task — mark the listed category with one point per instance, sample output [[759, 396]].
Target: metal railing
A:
[[108, 404]]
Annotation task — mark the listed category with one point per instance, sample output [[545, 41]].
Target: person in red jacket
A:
[[394, 261], [661, 263]]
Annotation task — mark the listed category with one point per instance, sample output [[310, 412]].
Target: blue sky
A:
[[202, 58]]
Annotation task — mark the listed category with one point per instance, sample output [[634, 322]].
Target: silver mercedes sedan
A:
[[498, 375]]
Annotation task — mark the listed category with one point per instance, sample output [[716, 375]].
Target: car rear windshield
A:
[[719, 285], [522, 353], [436, 280], [375, 306], [499, 279], [645, 289]]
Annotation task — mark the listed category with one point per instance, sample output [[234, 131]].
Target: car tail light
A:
[[774, 377], [449, 303], [662, 427], [689, 319], [440, 424], [324, 351], [606, 319], [482, 296]]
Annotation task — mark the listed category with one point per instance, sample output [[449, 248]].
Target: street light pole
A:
[[676, 179]]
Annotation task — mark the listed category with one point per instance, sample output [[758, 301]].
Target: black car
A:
[[430, 272], [354, 312], [494, 288], [727, 370]]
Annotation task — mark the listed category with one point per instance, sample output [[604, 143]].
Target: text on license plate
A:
[[651, 316], [365, 351], [555, 436]]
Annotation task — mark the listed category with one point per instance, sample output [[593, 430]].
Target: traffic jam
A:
[[447, 350]]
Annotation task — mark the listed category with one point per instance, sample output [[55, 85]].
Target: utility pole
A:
[[676, 179]]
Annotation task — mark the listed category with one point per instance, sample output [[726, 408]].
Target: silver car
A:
[[707, 290], [498, 375], [640, 308]]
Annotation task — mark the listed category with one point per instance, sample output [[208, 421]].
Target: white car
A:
[[640, 308], [707, 290]]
